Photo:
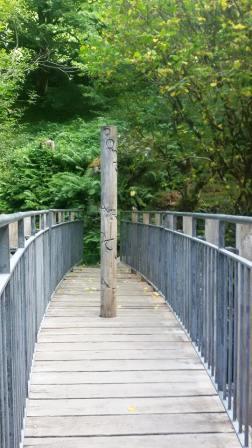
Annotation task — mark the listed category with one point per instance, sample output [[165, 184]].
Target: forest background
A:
[[173, 75]]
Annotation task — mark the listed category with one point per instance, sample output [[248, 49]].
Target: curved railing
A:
[[208, 286], [36, 250]]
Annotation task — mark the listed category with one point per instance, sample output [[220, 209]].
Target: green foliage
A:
[[174, 76], [14, 64], [181, 72], [53, 34]]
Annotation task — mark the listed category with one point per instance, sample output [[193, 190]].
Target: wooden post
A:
[[13, 235], [215, 232], [170, 221], [134, 217], [27, 226], [146, 218], [108, 221], [157, 219], [189, 225], [244, 240]]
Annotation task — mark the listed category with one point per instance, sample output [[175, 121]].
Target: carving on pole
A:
[[108, 220]]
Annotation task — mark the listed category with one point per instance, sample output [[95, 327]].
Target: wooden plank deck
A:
[[131, 382]]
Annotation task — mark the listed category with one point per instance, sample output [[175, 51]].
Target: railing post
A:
[[108, 221], [49, 220], [170, 221], [244, 240], [42, 221], [4, 250], [61, 217], [21, 235], [157, 219], [189, 225], [13, 235], [215, 232], [146, 218], [134, 217], [27, 226]]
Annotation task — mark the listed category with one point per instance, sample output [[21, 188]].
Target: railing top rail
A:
[[222, 250], [66, 210], [221, 217], [6, 219]]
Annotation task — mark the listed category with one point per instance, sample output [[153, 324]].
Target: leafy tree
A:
[[53, 33], [37, 177], [14, 65], [175, 76], [181, 72]]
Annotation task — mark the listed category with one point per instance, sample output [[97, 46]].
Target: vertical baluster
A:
[[247, 351], [235, 374], [230, 329], [225, 280], [240, 346]]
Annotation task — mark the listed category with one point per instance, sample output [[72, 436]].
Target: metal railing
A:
[[209, 289], [36, 250]]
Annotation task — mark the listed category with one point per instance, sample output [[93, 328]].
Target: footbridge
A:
[[173, 369]]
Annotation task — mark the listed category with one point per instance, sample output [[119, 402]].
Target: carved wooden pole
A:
[[108, 220]]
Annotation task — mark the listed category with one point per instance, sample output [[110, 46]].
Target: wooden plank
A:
[[123, 406], [152, 354], [124, 313], [135, 376], [122, 300], [122, 364], [68, 322], [166, 338], [227, 440], [112, 330], [127, 425], [108, 346], [128, 286], [135, 379], [120, 390]]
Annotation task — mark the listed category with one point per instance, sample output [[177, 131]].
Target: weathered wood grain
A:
[[226, 440], [104, 347], [122, 322], [108, 221], [124, 406], [134, 381], [121, 377], [123, 390], [149, 354], [127, 425], [111, 330], [67, 337], [101, 365]]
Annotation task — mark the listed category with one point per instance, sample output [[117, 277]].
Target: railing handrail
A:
[[37, 248], [209, 289], [217, 216], [222, 250], [224, 231], [10, 218]]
